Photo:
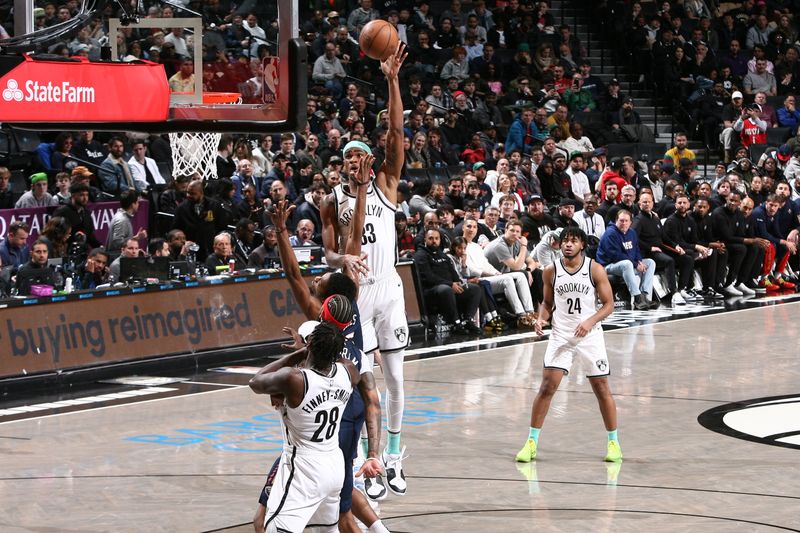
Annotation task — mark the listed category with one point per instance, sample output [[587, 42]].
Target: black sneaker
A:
[[472, 328]]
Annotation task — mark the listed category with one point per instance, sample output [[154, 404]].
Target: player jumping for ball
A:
[[572, 287], [380, 297]]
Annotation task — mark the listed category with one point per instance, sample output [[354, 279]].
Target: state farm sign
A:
[[57, 94], [44, 91]]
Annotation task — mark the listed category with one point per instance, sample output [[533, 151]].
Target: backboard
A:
[[247, 73]]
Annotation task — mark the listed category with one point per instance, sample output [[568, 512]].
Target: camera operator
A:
[[93, 272], [77, 215], [35, 271]]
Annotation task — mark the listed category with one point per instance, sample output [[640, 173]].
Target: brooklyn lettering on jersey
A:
[[372, 210], [573, 288], [336, 394]]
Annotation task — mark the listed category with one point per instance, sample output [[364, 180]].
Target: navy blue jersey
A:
[[353, 346]]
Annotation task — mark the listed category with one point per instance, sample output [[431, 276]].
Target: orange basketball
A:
[[378, 39]]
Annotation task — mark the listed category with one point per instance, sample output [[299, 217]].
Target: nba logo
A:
[[270, 80]]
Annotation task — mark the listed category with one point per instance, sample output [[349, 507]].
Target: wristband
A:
[[371, 459]]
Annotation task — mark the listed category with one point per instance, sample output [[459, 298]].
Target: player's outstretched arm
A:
[[359, 185], [286, 381], [546, 307], [389, 174], [372, 408], [353, 265], [280, 213]]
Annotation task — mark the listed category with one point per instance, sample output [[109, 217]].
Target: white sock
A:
[[377, 527]]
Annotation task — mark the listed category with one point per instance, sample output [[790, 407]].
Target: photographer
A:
[[752, 130], [94, 272]]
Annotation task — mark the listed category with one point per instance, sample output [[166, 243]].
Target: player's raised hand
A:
[[297, 340], [280, 213], [391, 66], [371, 468], [364, 172]]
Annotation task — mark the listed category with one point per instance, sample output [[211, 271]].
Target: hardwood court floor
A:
[[196, 462]]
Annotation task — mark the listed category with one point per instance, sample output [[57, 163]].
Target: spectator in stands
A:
[[558, 120], [78, 216], [788, 115], [183, 80], [787, 72], [158, 247], [577, 142], [709, 111], [510, 253], [612, 100], [566, 212], [35, 271], [304, 234], [423, 201], [93, 272], [170, 199], [115, 173], [244, 176], [144, 170], [200, 218], [619, 253], [760, 80], [6, 194], [457, 67], [266, 254], [62, 187], [405, 240], [89, 149], [244, 241], [524, 131], [610, 198], [442, 288], [735, 59], [61, 151], [548, 250], [680, 150], [280, 167], [225, 164], [612, 173], [130, 249], [752, 130], [730, 114], [627, 197], [222, 256], [37, 196], [591, 223], [577, 97], [740, 252], [666, 206], [14, 251], [121, 228], [328, 70], [649, 230]]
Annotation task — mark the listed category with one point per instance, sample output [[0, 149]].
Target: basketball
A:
[[378, 39]]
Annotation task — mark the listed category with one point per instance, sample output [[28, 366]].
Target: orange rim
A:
[[217, 98]]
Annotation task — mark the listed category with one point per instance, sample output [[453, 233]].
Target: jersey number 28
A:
[[326, 424]]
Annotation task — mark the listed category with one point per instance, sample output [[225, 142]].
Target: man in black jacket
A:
[[200, 219], [680, 234], [35, 271], [535, 221], [77, 215], [457, 302], [648, 228], [730, 228]]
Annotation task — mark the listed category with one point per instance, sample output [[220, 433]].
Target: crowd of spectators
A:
[[505, 130]]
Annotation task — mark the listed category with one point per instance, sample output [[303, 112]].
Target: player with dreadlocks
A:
[[311, 469], [332, 299]]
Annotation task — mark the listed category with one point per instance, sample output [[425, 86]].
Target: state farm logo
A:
[[51, 93], [12, 92]]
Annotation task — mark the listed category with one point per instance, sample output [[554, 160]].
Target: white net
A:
[[194, 152]]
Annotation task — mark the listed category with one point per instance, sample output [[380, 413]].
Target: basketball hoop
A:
[[197, 152]]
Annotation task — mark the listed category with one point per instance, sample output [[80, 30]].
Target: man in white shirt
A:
[[577, 141], [144, 170], [580, 182], [175, 36], [591, 223]]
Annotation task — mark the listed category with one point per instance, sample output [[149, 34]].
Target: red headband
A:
[[328, 317]]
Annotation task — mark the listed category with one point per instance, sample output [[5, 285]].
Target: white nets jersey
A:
[[313, 426], [379, 240], [574, 298]]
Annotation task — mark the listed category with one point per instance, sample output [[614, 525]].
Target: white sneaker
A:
[[677, 299], [745, 290], [691, 295], [730, 290], [374, 488], [393, 466]]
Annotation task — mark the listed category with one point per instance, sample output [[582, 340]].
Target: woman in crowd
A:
[[417, 155], [170, 199], [62, 146], [56, 233]]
